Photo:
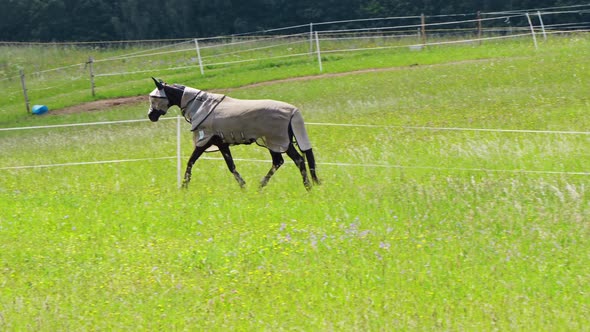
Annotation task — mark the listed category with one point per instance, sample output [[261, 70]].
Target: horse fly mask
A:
[[218, 121]]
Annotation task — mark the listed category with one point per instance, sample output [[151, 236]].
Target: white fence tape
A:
[[179, 156], [81, 124], [527, 131], [364, 165], [82, 163], [327, 124]]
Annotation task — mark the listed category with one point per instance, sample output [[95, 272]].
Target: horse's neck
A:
[[174, 94]]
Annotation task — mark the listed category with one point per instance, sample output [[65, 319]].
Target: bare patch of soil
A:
[[98, 105]]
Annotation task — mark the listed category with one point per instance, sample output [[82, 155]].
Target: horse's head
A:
[[159, 103]]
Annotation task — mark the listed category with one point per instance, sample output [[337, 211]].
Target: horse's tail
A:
[[298, 129], [299, 132]]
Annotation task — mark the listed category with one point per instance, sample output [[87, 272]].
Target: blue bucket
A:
[[40, 109]]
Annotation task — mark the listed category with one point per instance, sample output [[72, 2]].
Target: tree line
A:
[[103, 20]]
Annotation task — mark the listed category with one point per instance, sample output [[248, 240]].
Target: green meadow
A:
[[420, 223]]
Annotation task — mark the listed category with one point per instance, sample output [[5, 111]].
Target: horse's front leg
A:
[[224, 148], [194, 156]]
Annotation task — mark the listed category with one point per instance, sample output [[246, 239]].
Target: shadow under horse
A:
[[218, 121]]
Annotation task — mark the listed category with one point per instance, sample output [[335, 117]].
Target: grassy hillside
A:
[[128, 69], [412, 229]]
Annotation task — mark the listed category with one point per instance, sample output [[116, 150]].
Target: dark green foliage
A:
[[94, 20]]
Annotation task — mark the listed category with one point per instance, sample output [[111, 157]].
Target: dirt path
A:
[[123, 101], [98, 105]]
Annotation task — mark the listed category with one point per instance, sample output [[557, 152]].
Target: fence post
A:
[[310, 38], [22, 82], [199, 56], [91, 69], [542, 25], [479, 26], [317, 42], [423, 29], [528, 17], [178, 152]]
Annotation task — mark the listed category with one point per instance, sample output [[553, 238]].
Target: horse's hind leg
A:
[[300, 162], [277, 161], [311, 163], [224, 148]]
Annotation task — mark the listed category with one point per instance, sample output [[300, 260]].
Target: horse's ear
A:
[[158, 84]]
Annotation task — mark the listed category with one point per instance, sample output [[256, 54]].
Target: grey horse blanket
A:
[[239, 121]]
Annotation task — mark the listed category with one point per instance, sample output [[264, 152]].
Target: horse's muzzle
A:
[[154, 114]]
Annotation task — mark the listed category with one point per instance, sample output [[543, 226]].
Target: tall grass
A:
[[412, 229]]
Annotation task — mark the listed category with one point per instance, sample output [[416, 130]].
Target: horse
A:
[[219, 121]]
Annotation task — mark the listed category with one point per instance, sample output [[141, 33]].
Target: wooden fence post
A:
[[311, 38], [423, 29], [22, 82], [479, 26], [91, 70]]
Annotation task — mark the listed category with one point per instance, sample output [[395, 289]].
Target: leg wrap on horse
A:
[[300, 162], [311, 162]]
